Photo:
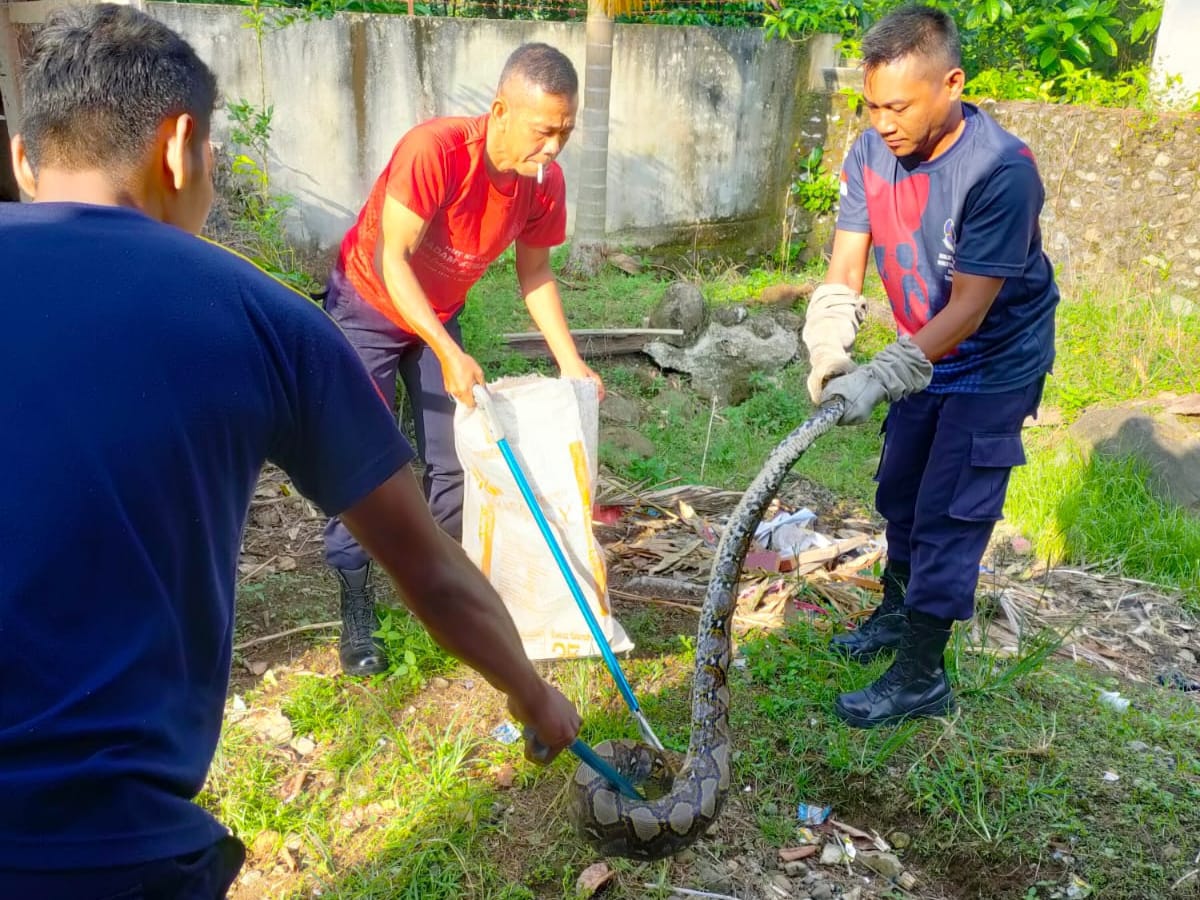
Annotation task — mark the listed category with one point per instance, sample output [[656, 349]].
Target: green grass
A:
[[1116, 343], [986, 794], [1099, 510]]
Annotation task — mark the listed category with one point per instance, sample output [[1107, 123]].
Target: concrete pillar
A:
[[1176, 69]]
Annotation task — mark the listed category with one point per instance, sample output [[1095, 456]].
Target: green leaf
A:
[[1047, 57], [1079, 50], [1103, 39]]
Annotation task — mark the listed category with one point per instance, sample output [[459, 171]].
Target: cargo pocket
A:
[[979, 494]]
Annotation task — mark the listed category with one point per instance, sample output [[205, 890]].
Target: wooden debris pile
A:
[[661, 544], [660, 547]]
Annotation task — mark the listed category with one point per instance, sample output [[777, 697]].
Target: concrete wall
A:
[[1122, 187], [1175, 51], [701, 131]]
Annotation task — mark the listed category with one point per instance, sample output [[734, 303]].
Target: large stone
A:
[[1169, 447], [723, 360], [627, 441], [618, 410], [682, 307]]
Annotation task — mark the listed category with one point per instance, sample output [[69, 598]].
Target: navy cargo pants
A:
[[203, 875], [942, 480], [387, 350]]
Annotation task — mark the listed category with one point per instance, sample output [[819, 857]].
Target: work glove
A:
[[830, 327], [896, 371]]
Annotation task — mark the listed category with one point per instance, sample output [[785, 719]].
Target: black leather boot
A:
[[915, 685], [361, 654], [886, 626]]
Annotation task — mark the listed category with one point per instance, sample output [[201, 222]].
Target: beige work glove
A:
[[830, 327], [896, 371]]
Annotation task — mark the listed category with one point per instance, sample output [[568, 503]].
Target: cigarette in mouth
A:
[[540, 168]]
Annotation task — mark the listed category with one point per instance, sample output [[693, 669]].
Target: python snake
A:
[[659, 827]]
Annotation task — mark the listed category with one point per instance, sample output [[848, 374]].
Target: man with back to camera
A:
[[126, 490], [456, 193], [950, 202]]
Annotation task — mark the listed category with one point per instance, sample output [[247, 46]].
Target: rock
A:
[[713, 878], [853, 894], [1186, 656], [899, 840], [730, 315], [627, 441], [269, 725], [1181, 306], [789, 321], [439, 684], [682, 307], [795, 869], [618, 410], [886, 864], [723, 359], [1187, 405], [770, 809], [265, 844], [781, 885], [822, 890], [593, 879], [1170, 451], [831, 854], [1138, 746], [303, 746]]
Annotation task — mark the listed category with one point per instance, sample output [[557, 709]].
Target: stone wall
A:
[[1122, 187], [701, 125]]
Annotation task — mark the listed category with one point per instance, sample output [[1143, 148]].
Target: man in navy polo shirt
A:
[[146, 377], [950, 203]]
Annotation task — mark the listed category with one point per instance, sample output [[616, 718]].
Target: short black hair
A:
[[100, 82], [544, 67], [919, 31]]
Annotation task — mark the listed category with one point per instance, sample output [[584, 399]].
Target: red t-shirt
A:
[[438, 171]]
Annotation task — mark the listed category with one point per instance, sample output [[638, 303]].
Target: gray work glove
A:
[[896, 371], [830, 327]]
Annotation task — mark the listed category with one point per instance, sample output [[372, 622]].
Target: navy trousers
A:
[[203, 875], [388, 350], [942, 478]]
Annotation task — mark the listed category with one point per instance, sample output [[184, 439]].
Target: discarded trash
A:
[[593, 879], [832, 853], [1077, 888], [1179, 681], [809, 814], [793, 854], [801, 517], [1114, 700], [1111, 777], [506, 733], [806, 835]]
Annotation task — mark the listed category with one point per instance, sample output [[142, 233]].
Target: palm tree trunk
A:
[[587, 243]]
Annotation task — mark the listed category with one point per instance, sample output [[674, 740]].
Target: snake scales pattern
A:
[[656, 828]]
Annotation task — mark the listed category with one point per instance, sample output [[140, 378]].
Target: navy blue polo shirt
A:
[[145, 377], [974, 210]]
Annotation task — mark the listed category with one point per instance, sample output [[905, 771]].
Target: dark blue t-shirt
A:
[[145, 377], [974, 210]]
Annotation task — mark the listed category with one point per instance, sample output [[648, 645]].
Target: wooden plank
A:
[[591, 342]]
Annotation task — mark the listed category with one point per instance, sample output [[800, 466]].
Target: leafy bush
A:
[[1075, 51]]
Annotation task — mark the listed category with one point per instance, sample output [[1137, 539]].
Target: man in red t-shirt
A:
[[456, 194]]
